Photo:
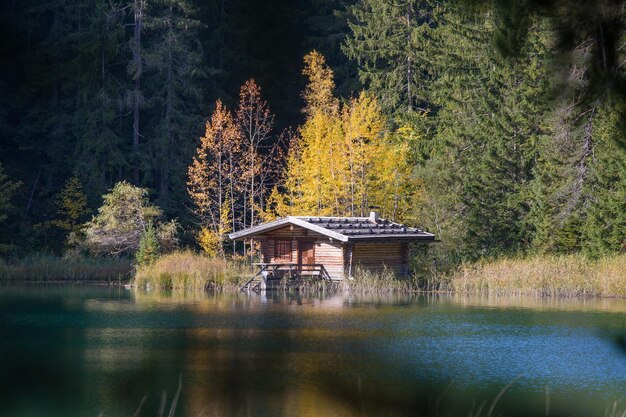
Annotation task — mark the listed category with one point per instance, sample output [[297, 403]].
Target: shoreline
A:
[[304, 291], [545, 276]]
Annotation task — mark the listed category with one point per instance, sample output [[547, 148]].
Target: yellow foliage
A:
[[316, 172], [345, 161], [277, 205], [72, 208], [215, 172], [318, 94], [225, 218], [393, 188], [209, 241]]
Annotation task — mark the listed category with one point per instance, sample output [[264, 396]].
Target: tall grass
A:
[[383, 282], [571, 275], [44, 267], [565, 275], [187, 270]]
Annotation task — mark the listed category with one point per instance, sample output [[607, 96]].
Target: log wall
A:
[[338, 259], [327, 253], [376, 256], [330, 255]]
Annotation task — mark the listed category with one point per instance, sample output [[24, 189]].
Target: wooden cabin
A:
[[330, 247]]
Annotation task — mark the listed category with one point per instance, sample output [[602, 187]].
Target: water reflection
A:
[[75, 351]]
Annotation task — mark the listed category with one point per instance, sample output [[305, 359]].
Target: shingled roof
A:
[[342, 228]]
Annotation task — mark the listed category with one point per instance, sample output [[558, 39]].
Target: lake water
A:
[[98, 351]]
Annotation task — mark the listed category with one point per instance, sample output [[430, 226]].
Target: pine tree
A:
[[388, 43], [148, 251], [122, 220], [7, 189], [604, 230], [327, 31], [490, 116], [172, 74]]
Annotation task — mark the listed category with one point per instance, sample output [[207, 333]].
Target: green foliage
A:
[[7, 189], [123, 220], [514, 125], [502, 167], [149, 247], [387, 41], [604, 230]]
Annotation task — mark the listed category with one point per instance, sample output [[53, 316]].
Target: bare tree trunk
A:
[[169, 145], [32, 192], [409, 69], [138, 68]]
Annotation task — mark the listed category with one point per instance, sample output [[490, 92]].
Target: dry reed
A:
[[187, 270], [383, 282], [44, 267], [564, 275]]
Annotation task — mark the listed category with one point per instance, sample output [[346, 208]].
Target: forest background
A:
[[498, 126]]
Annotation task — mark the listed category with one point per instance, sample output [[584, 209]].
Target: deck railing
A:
[[285, 271]]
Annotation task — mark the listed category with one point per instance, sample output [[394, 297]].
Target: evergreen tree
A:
[[388, 43], [489, 119], [148, 251], [7, 189], [122, 220], [604, 230], [327, 31], [173, 70]]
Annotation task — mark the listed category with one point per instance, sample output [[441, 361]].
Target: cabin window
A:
[[282, 250]]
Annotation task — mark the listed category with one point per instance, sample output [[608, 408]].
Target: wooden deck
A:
[[284, 275]]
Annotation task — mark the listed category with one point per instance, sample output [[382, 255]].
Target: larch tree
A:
[[214, 177], [255, 121], [72, 208], [344, 161], [316, 166], [319, 92], [363, 129]]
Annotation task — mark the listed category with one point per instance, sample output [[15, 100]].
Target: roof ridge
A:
[[340, 228]]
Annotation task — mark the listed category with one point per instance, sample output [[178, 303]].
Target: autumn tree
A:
[[255, 121], [214, 177], [72, 208], [344, 161], [319, 92], [314, 167]]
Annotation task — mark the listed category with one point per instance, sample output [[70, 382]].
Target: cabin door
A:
[[306, 253]]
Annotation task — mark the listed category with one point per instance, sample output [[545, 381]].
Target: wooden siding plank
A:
[[375, 257]]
